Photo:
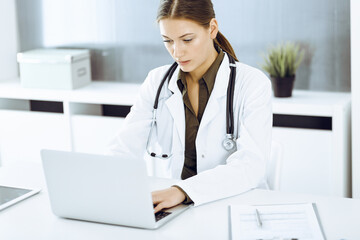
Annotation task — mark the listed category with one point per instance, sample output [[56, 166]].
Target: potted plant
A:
[[281, 62]]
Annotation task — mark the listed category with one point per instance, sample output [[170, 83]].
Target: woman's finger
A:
[[156, 197], [159, 207]]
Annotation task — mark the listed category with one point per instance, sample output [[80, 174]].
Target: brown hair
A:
[[200, 11]]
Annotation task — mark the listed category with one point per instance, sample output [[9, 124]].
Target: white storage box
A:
[[55, 68]]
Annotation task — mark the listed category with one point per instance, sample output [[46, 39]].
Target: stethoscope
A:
[[229, 141]]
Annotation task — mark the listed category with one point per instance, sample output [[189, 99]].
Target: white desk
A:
[[33, 219]]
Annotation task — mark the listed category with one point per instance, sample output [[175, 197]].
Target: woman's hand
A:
[[167, 198]]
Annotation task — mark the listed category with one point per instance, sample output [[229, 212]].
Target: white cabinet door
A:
[[23, 134], [92, 134], [307, 160]]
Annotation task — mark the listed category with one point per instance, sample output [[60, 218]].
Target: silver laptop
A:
[[105, 189]]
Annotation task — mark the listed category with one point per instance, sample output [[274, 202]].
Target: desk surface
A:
[[33, 219]]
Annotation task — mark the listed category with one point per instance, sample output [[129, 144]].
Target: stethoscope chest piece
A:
[[229, 142]]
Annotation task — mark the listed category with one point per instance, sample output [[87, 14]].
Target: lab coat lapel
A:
[[176, 107], [213, 107]]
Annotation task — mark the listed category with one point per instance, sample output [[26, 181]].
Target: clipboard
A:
[[277, 221]]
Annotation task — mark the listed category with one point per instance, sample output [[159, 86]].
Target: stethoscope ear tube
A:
[[167, 75]]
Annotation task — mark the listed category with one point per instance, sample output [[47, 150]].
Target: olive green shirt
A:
[[192, 122]]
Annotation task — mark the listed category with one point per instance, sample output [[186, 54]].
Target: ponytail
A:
[[224, 44]]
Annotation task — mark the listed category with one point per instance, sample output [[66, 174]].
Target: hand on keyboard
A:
[[167, 198]]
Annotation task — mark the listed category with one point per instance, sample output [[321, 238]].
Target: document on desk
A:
[[277, 221]]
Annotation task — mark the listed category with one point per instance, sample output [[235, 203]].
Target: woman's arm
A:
[[245, 168]]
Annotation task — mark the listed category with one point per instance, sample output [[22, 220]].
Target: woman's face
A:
[[189, 43]]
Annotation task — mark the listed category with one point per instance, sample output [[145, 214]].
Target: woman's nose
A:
[[178, 51]]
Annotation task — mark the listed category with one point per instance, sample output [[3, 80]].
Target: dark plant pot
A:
[[283, 86]]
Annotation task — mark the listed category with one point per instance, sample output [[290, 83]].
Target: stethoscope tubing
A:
[[230, 98], [167, 75]]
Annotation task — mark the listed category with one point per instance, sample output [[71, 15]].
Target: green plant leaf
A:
[[282, 60]]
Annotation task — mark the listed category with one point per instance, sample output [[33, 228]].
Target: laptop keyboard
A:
[[160, 215]]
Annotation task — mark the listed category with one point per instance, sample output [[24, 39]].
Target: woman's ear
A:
[[214, 29]]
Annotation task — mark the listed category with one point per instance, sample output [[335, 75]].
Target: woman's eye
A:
[[188, 40], [166, 41]]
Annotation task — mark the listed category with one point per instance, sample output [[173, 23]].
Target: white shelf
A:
[[316, 161], [301, 103], [311, 103], [96, 93]]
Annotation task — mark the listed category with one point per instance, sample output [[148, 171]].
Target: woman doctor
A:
[[191, 135]]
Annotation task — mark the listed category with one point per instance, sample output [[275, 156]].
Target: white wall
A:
[[355, 92], [129, 32], [95, 22], [8, 40]]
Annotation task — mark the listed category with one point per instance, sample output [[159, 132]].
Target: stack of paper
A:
[[283, 221]]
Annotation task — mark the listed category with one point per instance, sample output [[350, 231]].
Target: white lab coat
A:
[[220, 173]]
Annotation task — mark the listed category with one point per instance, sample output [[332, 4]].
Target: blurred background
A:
[[125, 41]]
